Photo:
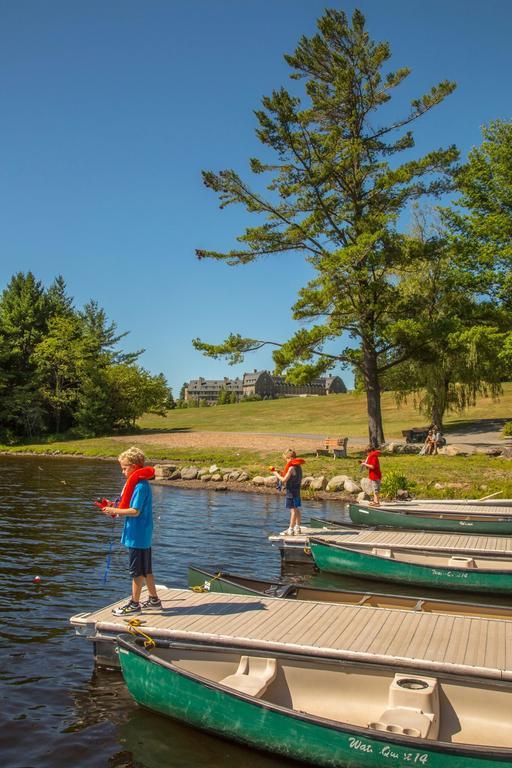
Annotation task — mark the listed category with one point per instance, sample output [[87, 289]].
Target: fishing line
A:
[[47, 472], [111, 542]]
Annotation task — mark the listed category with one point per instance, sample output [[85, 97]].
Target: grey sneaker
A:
[[297, 530], [152, 602], [125, 610]]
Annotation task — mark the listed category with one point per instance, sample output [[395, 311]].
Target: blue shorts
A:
[[292, 502], [140, 562]]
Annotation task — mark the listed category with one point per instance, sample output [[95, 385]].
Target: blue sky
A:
[[110, 110]]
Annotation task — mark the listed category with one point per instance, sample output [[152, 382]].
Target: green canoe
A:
[[320, 522], [432, 568], [425, 519], [201, 580], [329, 713]]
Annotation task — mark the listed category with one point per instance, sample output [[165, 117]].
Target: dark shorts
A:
[[139, 562], [292, 502]]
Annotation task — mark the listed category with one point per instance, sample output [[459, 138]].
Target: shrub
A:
[[393, 482], [507, 429]]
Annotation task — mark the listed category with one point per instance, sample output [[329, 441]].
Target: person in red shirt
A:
[[374, 473]]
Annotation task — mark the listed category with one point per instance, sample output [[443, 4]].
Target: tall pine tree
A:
[[336, 188]]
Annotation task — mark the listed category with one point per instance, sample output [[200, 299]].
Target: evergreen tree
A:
[[61, 368], [102, 338], [23, 323], [57, 358], [58, 301], [337, 187]]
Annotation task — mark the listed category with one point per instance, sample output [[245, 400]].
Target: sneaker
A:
[[289, 532], [297, 530], [151, 602], [129, 608]]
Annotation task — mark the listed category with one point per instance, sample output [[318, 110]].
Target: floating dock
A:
[[458, 543], [405, 639], [295, 549]]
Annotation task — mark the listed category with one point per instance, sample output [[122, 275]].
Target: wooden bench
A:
[[415, 435], [335, 445]]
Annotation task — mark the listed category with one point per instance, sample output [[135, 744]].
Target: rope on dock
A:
[[134, 629], [206, 586]]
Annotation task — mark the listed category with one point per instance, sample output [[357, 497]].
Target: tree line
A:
[[61, 369], [423, 309]]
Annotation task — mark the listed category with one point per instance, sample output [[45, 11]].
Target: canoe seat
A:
[[253, 676], [382, 552], [413, 708], [459, 561]]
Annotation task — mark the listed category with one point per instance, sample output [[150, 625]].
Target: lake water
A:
[[56, 710]]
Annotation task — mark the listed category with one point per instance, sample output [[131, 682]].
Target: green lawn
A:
[[332, 415]]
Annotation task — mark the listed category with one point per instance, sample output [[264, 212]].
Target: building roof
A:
[[213, 384]]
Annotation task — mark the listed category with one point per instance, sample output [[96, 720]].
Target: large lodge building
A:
[[260, 383]]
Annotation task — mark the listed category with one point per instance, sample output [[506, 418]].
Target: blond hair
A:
[[289, 454], [132, 456]]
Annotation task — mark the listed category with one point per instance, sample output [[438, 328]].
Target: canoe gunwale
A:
[[381, 517], [229, 579], [420, 511], [365, 550], [330, 654], [133, 645]]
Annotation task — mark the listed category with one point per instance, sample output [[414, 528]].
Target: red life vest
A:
[[143, 473], [292, 463]]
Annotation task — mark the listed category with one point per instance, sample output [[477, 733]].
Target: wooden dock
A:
[[294, 549], [458, 543], [435, 506], [420, 641]]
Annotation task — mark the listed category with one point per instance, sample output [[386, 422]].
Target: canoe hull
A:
[[337, 559], [378, 516], [264, 726]]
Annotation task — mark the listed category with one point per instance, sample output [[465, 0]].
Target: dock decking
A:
[[432, 540], [438, 643], [460, 509], [294, 549]]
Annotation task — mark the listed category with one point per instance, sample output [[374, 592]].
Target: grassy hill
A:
[[473, 476], [333, 415]]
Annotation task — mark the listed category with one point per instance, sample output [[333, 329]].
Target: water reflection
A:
[[53, 703], [152, 741]]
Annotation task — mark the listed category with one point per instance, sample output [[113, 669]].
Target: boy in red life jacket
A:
[[291, 479], [374, 473], [136, 507]]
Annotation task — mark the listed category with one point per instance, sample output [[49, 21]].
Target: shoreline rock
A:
[[245, 487]]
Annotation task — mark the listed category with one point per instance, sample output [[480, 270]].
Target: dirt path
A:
[[242, 440], [280, 442]]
